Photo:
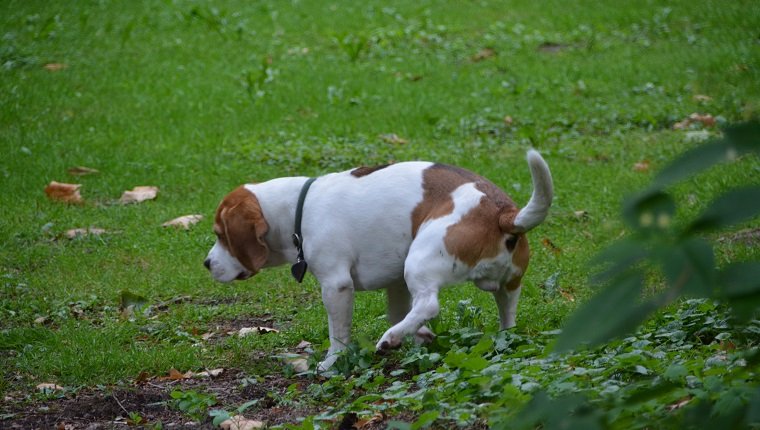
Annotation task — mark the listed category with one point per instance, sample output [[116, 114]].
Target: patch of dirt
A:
[[110, 407], [750, 236], [553, 47]]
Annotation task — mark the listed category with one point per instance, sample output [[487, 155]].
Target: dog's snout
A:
[[207, 263]]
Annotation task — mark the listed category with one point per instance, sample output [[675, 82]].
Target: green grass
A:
[[197, 99]]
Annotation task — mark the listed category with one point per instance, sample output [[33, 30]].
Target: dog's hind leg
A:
[[506, 300]]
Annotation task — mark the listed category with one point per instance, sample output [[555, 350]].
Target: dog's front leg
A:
[[339, 302], [423, 287], [506, 301], [399, 304]]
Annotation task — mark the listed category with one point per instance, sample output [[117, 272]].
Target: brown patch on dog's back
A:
[[440, 180], [367, 170], [477, 235], [480, 232]]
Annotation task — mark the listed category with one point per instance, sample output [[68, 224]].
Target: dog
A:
[[410, 228]]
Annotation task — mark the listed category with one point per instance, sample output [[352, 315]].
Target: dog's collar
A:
[[298, 270]]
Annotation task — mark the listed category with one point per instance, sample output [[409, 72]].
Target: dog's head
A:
[[240, 250]]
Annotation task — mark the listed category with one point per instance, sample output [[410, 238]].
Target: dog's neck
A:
[[278, 199]]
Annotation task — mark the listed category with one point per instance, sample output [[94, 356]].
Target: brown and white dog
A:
[[410, 228]]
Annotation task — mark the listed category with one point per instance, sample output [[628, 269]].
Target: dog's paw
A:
[[424, 335], [327, 363], [388, 342]]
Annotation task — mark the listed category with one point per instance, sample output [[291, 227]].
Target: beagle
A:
[[411, 228]]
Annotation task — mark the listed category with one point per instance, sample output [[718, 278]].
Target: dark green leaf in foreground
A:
[[616, 259], [614, 311], [689, 267], [566, 412], [738, 140], [649, 211], [733, 207], [741, 288]]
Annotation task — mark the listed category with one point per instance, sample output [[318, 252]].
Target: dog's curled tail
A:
[[535, 212]]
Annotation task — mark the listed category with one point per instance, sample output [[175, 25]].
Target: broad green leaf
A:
[[650, 392], [740, 284], [618, 258], [649, 211], [676, 373], [738, 140], [733, 207], [745, 136], [689, 267], [425, 420], [753, 409], [694, 161], [614, 311], [566, 412], [485, 344]]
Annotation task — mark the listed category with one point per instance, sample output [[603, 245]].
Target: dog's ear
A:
[[244, 228]]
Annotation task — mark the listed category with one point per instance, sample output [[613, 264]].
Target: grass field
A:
[[196, 98]]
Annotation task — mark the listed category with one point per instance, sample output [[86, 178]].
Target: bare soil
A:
[[110, 407]]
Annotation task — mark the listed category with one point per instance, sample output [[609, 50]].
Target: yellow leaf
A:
[[55, 67], [78, 232], [139, 194], [184, 221], [239, 422], [245, 331], [393, 138], [641, 166], [48, 387]]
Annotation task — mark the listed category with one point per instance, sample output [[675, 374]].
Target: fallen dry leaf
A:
[[143, 377], [207, 336], [82, 171], [568, 296], [552, 47], [705, 119], [47, 387], [213, 373], [299, 363], [641, 166], [679, 404], [393, 138], [80, 232], [701, 98], [245, 331], [483, 54], [40, 320], [508, 120], [303, 344], [139, 194], [176, 375], [61, 192], [581, 214], [55, 67], [184, 221], [239, 422], [378, 417], [551, 246]]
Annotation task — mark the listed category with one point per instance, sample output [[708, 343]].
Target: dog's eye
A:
[[511, 243]]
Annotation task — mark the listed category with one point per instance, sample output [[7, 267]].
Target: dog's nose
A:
[[207, 263]]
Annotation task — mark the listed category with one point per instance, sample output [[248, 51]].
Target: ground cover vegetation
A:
[[120, 324]]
